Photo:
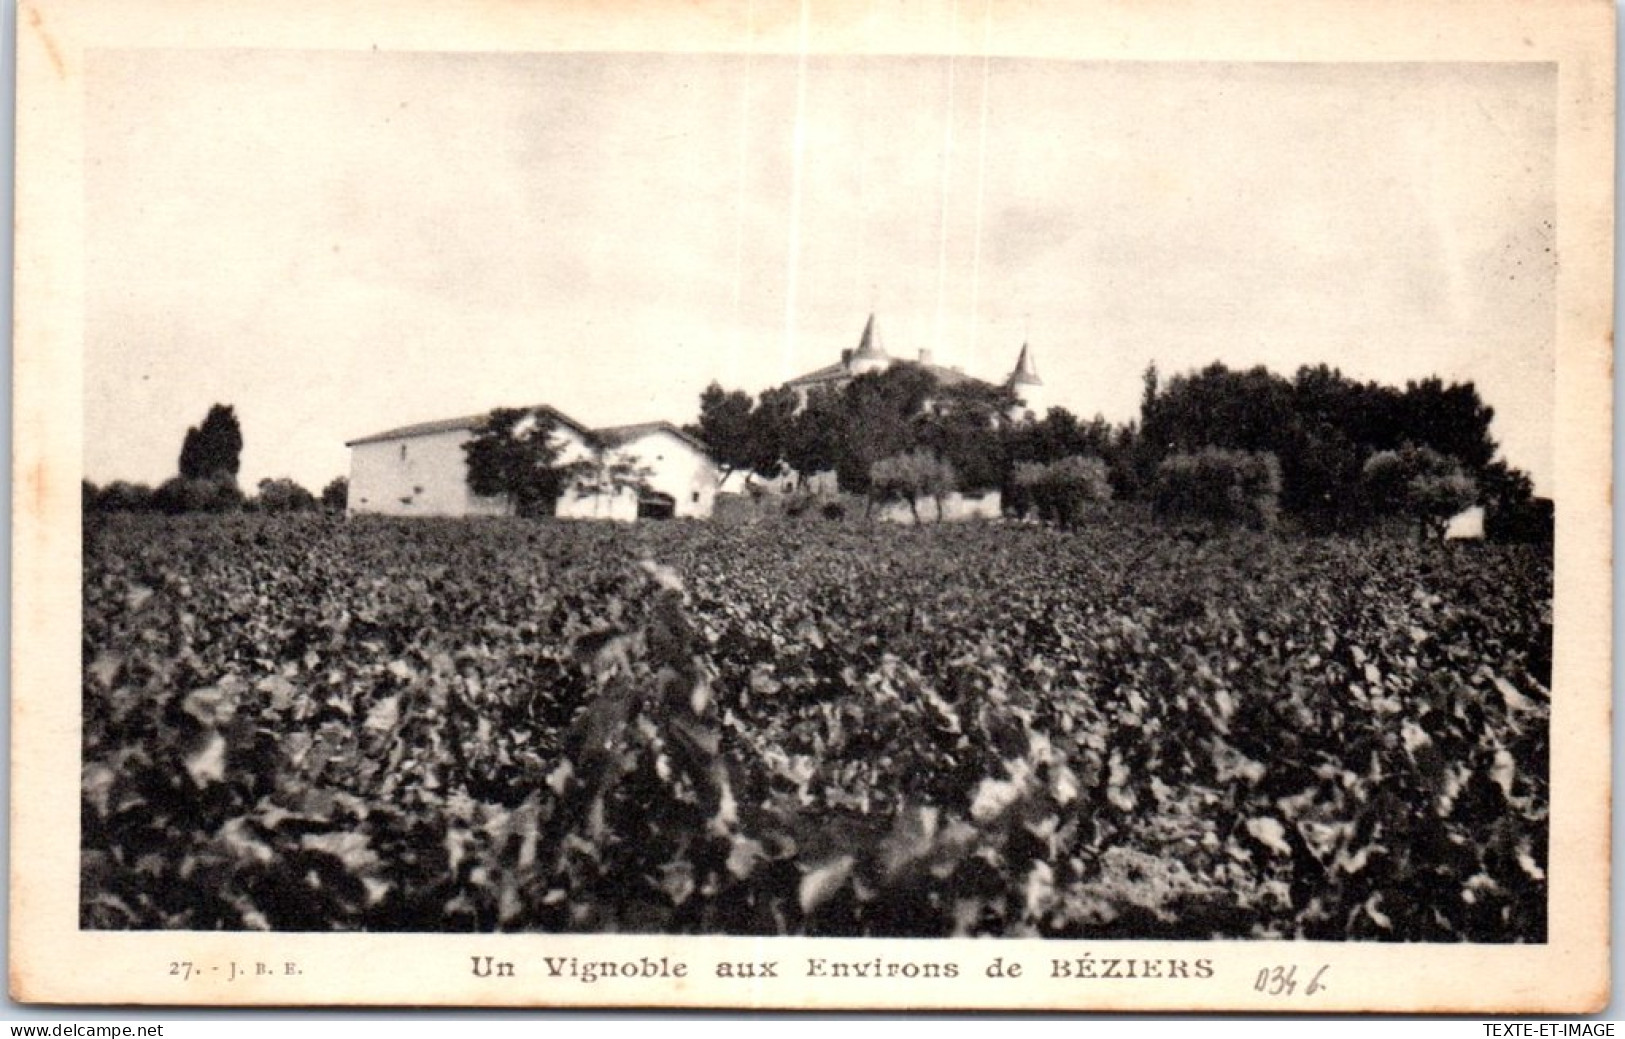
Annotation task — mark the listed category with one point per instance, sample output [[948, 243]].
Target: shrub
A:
[[336, 495], [1219, 485], [284, 495], [1062, 491], [910, 477], [180, 495], [1418, 482], [1531, 522], [795, 505], [118, 496]]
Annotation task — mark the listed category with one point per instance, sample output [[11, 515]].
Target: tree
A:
[[1061, 434], [1421, 483], [1219, 485], [336, 495], [213, 451], [1451, 420], [283, 495], [512, 455], [1511, 510], [1061, 491], [910, 477], [773, 421], [812, 442], [1130, 479], [744, 436], [1249, 410], [962, 425], [876, 419], [605, 474], [728, 428]]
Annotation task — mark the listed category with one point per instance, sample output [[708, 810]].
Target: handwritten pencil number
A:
[[1283, 981], [1317, 983]]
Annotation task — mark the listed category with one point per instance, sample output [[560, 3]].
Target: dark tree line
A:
[[876, 417], [1325, 429], [1346, 452], [210, 459]]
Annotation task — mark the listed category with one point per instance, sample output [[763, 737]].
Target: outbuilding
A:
[[421, 470]]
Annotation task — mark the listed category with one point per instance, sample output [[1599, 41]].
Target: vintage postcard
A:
[[801, 504]]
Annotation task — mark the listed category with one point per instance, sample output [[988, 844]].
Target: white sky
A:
[[337, 243]]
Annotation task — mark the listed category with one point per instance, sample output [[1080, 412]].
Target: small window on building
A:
[[696, 498], [403, 452]]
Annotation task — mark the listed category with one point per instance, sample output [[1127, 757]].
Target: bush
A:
[[336, 495], [795, 505], [1062, 491], [180, 495], [1531, 522], [1418, 482], [1219, 485], [910, 477], [284, 495], [118, 496]]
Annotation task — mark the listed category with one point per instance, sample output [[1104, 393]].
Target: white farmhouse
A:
[[420, 470], [681, 477]]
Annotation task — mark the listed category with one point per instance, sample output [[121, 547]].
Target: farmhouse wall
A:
[[621, 505], [416, 476], [678, 469], [426, 474], [1467, 525], [956, 507]]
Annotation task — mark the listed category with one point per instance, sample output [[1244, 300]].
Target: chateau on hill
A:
[[871, 356], [421, 470]]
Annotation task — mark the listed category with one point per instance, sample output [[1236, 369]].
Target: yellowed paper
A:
[[106, 86]]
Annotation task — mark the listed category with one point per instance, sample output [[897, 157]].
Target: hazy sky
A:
[[337, 242]]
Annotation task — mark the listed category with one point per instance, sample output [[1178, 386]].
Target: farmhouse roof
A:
[[616, 436], [466, 422]]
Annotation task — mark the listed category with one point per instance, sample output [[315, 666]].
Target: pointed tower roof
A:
[[870, 346], [1025, 374]]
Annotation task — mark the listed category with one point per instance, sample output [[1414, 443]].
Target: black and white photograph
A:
[[726, 519]]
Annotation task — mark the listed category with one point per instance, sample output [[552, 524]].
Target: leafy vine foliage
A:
[[300, 723]]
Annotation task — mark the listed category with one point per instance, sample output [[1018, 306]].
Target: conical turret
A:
[[1025, 374], [870, 356], [1026, 384]]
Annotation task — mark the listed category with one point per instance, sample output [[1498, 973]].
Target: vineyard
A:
[[305, 723]]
